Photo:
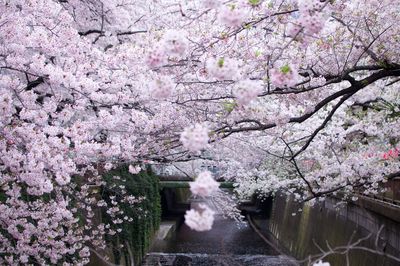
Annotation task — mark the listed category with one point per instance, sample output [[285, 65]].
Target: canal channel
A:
[[292, 233]]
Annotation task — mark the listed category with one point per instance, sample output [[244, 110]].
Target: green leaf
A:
[[365, 82], [285, 69], [254, 2], [229, 106], [221, 62]]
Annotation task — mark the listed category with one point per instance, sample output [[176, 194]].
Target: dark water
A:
[[325, 224], [227, 244], [186, 259], [296, 235], [224, 238]]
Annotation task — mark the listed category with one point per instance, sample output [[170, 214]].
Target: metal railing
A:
[[380, 198]]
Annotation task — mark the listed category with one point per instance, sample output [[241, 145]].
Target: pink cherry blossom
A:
[[312, 23], [223, 68], [309, 5], [321, 263], [231, 16], [175, 42], [88, 85], [246, 91], [134, 169], [294, 30], [281, 120], [156, 57], [201, 219], [195, 138], [204, 185], [211, 3], [391, 154], [285, 76], [161, 87]]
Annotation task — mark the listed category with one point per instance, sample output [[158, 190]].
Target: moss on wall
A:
[[135, 235]]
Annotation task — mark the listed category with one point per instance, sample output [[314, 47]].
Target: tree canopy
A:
[[300, 95]]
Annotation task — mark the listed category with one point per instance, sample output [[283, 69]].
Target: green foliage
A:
[[221, 62], [146, 214], [254, 2], [383, 63], [392, 109], [3, 197], [285, 69], [229, 105], [232, 6]]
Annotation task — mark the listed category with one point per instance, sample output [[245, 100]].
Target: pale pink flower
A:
[[24, 258], [293, 30], [306, 6], [317, 81], [134, 169], [231, 16], [195, 138], [162, 87], [204, 185], [61, 179], [201, 219], [210, 3], [281, 120], [247, 90], [285, 76], [6, 108], [175, 42], [156, 57], [223, 68], [311, 17], [108, 166], [312, 23], [84, 252], [321, 263]]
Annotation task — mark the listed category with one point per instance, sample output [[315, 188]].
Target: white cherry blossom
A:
[[200, 219], [204, 185]]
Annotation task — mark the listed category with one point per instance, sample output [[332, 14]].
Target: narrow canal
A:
[[302, 230], [297, 230], [227, 244]]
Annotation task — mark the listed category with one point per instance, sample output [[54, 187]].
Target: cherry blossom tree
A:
[[301, 95]]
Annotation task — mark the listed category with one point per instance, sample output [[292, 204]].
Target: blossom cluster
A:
[[285, 76], [173, 43], [311, 17], [311, 20], [86, 85], [204, 185], [211, 3], [202, 218], [246, 91], [231, 16], [223, 68], [162, 87], [391, 154], [321, 263], [195, 138]]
